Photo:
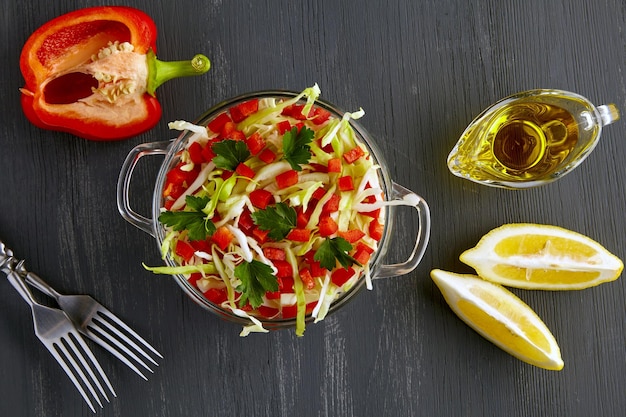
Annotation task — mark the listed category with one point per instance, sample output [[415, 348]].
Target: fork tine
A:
[[71, 343], [108, 315], [93, 336], [70, 374], [125, 338], [95, 362], [61, 346]]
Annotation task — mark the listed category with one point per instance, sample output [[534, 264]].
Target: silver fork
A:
[[99, 324], [58, 334]]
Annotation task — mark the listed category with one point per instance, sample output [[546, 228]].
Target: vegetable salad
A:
[[273, 210]]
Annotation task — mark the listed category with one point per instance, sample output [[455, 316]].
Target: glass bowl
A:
[[392, 191]]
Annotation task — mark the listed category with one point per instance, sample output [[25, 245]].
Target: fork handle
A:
[[20, 286], [15, 272], [34, 280]]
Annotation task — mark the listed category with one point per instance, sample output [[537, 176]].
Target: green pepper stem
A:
[[160, 72]]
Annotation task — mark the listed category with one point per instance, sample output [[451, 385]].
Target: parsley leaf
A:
[[198, 226], [279, 220], [196, 203], [256, 279], [296, 149], [333, 250], [230, 153]]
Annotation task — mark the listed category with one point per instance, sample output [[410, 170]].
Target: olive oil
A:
[[533, 139], [529, 139]]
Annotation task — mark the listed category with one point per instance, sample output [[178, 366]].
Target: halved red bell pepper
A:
[[93, 73]]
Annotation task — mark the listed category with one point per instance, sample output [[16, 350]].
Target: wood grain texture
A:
[[421, 70]]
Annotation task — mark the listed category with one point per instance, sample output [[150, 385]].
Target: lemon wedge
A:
[[542, 257], [500, 317]]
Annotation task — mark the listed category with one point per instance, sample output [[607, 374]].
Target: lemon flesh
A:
[[500, 317], [533, 256]]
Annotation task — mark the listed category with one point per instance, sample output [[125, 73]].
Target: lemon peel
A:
[[542, 257], [500, 317]]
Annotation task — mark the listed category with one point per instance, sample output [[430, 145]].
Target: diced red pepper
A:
[[222, 237], [319, 115], [216, 125], [207, 151], [319, 193], [283, 127], [255, 143], [274, 254], [216, 295], [193, 279], [352, 236], [227, 128], [195, 153], [245, 171], [299, 235], [201, 245], [173, 191], [260, 198], [345, 183], [178, 176], [376, 229], [184, 250], [307, 278], [246, 223], [281, 285], [328, 148], [260, 235], [363, 247], [285, 271], [341, 275], [236, 135], [309, 256], [302, 217], [334, 165], [318, 167], [289, 312], [362, 256], [353, 154], [243, 110], [295, 111], [272, 295], [316, 269], [267, 155], [169, 203], [229, 131], [369, 200], [287, 179], [247, 306], [327, 226], [267, 311], [375, 214], [332, 205]]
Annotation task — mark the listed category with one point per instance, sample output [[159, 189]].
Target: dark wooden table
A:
[[421, 70]]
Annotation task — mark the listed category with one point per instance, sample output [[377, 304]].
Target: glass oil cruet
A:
[[529, 139]]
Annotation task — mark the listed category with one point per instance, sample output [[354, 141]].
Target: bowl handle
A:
[[123, 183], [408, 197]]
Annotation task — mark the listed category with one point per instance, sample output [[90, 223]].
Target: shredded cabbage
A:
[[229, 199]]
